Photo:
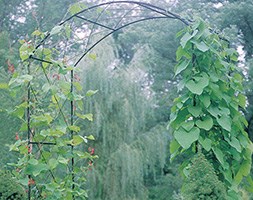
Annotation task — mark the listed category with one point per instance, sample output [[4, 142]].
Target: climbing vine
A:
[[208, 116], [55, 156]]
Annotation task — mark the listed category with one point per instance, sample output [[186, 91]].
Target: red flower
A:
[[11, 68], [31, 182], [16, 137], [91, 150], [57, 76], [29, 148], [77, 78]]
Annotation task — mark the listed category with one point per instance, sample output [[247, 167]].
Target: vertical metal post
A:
[[72, 132], [28, 113]]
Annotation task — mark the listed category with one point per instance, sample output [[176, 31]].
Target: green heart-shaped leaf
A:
[[184, 138], [224, 111], [235, 143], [206, 143], [185, 39], [181, 66], [219, 155], [206, 123], [214, 111], [194, 87], [202, 46], [187, 125], [205, 99], [194, 110], [197, 85], [225, 122]]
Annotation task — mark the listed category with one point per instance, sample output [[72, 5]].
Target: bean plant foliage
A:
[[54, 154], [208, 116]]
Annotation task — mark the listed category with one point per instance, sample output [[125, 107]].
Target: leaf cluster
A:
[[208, 111]]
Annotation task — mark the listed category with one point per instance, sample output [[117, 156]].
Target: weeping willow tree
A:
[[132, 151]]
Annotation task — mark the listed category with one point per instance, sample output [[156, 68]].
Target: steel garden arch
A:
[[104, 19]]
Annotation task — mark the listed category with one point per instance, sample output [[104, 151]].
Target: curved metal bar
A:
[[93, 22], [104, 37], [143, 4], [148, 6], [101, 39]]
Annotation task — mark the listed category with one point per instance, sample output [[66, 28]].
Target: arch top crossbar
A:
[[141, 4], [129, 17]]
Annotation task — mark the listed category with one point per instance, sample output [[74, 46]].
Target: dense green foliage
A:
[[207, 114], [202, 182], [9, 188]]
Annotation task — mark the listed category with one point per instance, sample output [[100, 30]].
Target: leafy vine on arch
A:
[[207, 117]]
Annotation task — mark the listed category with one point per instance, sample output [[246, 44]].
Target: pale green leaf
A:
[[195, 110], [181, 66], [206, 143], [234, 142], [243, 171], [214, 111], [187, 36], [56, 30], [78, 139], [242, 100], [91, 92], [93, 56], [74, 128], [63, 160], [206, 123], [185, 138], [88, 116], [194, 87], [33, 161], [219, 155], [4, 86], [225, 122], [77, 7], [174, 146], [188, 125], [202, 46], [52, 163], [198, 83], [205, 99], [90, 137]]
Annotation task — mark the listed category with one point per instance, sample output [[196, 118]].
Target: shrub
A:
[[202, 182], [9, 188]]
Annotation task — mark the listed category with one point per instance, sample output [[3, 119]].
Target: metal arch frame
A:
[[162, 14]]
